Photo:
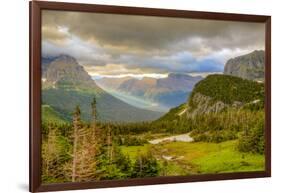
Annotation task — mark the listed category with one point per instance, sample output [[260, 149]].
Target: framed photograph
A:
[[123, 96]]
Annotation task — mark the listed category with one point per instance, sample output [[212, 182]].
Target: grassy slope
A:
[[201, 157], [133, 151], [216, 158], [50, 115], [173, 114], [110, 108]]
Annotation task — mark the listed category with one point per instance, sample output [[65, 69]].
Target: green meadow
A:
[[200, 157]]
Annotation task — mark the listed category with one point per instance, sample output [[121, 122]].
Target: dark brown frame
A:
[[35, 8]]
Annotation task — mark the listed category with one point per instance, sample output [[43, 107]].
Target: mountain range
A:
[[66, 84], [167, 92]]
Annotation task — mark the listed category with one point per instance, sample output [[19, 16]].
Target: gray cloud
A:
[[142, 32], [150, 42]]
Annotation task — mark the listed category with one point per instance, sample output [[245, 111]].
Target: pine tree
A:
[[94, 119], [145, 166], [96, 133]]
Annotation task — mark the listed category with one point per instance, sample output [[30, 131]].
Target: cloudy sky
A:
[[120, 45]]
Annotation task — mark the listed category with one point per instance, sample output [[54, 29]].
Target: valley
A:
[[161, 93], [137, 101]]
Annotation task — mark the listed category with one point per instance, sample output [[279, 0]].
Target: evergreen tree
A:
[[145, 166]]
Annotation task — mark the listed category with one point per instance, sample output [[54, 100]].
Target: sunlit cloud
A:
[[136, 76]]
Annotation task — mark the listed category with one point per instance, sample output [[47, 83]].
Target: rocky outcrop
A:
[[205, 105], [249, 66]]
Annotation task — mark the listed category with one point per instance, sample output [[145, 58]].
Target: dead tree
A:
[[109, 144], [85, 148], [76, 125]]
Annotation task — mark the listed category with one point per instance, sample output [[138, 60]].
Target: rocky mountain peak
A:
[[66, 58], [248, 66], [65, 70]]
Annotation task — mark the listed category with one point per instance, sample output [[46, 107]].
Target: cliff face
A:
[[66, 70], [249, 66]]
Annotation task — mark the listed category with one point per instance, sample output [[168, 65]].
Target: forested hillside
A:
[[223, 91], [223, 107]]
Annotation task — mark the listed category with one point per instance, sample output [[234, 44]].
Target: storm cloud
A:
[[145, 43]]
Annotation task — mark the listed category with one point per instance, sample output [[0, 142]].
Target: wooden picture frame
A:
[[36, 8]]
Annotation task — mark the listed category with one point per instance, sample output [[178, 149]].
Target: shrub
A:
[[252, 140], [145, 166]]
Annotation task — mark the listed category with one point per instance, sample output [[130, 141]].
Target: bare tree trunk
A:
[[74, 155], [48, 153], [76, 119], [109, 145], [111, 154], [94, 119]]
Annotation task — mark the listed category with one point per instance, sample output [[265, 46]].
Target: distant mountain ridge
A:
[[112, 83], [67, 84], [170, 91], [249, 66]]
